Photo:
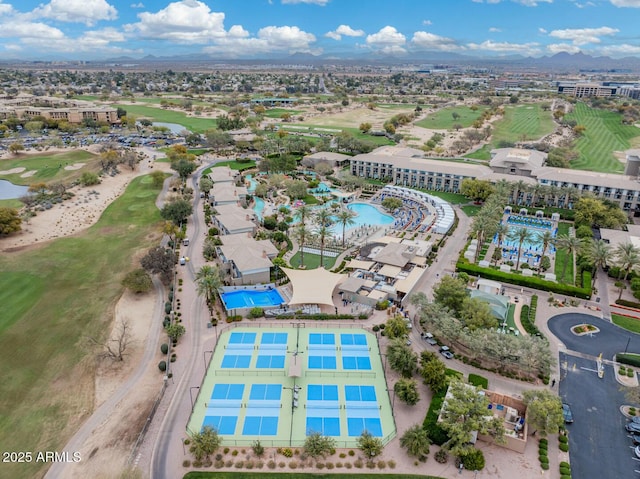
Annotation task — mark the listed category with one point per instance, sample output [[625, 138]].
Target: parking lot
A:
[[599, 445]]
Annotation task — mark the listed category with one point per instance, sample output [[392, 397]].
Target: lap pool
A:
[[244, 298]]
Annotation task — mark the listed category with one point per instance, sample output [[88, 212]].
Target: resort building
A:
[[581, 90], [50, 108], [331, 158], [246, 260], [232, 219], [409, 167], [223, 174], [226, 194]]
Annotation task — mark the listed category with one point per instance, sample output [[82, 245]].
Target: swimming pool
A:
[[245, 298], [258, 207], [368, 215]]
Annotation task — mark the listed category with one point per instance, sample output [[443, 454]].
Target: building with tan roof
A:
[[246, 260]]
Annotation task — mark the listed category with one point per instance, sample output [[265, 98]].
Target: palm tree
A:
[[599, 253], [546, 239], [621, 287], [301, 234], [502, 230], [323, 229], [204, 443], [303, 212], [571, 244], [208, 282], [520, 235], [627, 257], [345, 218], [416, 440]]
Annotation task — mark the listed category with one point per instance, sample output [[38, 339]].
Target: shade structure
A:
[[313, 286]]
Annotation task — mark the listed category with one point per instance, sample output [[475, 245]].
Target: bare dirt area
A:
[[74, 215], [109, 447], [353, 117]]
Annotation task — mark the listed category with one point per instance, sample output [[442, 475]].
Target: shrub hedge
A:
[[530, 282], [437, 435], [628, 304], [478, 380], [630, 359]]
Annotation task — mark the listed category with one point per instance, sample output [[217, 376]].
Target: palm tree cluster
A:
[[208, 281], [525, 194], [322, 220], [487, 222]]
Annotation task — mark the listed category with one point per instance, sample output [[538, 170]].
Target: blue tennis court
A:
[[322, 392], [242, 338], [239, 351], [360, 393], [322, 338], [263, 410], [356, 362], [323, 410], [363, 412], [265, 392], [353, 339], [271, 354], [274, 338], [224, 407]]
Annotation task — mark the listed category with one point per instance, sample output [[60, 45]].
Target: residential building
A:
[[246, 260], [231, 219]]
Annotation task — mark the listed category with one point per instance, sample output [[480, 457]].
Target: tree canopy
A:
[[477, 190], [544, 411], [10, 221], [160, 261], [176, 211], [598, 212]]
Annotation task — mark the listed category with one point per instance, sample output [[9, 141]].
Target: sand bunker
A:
[[13, 171], [75, 166], [29, 173]]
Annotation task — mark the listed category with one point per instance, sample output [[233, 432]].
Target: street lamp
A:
[[204, 356], [191, 395]]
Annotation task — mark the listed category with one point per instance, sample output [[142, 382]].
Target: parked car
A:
[[637, 451], [632, 427], [444, 350], [635, 438], [566, 413], [428, 337], [636, 419]]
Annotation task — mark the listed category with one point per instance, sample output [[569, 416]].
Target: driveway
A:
[[598, 446]]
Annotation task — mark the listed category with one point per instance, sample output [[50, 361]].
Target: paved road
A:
[[164, 460], [610, 340], [599, 445]]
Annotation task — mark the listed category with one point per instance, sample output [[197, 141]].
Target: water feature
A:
[[252, 184], [174, 127], [9, 191], [368, 215], [258, 207]]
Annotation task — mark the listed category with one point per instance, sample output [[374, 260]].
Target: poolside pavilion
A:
[[313, 286]]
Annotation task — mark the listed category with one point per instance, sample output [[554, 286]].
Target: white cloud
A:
[[5, 8], [322, 3], [626, 3], [137, 5], [30, 30], [185, 21], [562, 47], [582, 36], [494, 30], [76, 11], [431, 41], [427, 22], [269, 40], [542, 30], [619, 50], [388, 40], [506, 47], [345, 30]]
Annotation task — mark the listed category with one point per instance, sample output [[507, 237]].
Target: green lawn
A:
[[511, 323], [604, 134], [50, 167], [318, 129], [483, 153], [443, 119], [53, 298], [525, 121], [312, 261], [299, 475], [562, 255], [234, 165], [453, 198], [277, 112], [194, 124], [471, 210], [17, 204], [629, 324]]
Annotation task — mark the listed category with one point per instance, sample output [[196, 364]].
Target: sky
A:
[[236, 29]]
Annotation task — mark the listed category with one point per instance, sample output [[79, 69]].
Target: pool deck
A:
[[292, 421]]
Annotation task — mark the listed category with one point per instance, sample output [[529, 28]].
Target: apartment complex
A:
[[552, 186], [52, 108], [605, 89]]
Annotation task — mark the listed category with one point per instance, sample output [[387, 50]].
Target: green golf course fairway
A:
[[53, 298]]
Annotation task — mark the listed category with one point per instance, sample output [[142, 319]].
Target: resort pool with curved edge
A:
[[244, 298], [368, 215]]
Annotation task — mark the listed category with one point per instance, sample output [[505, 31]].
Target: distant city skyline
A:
[[262, 29]]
